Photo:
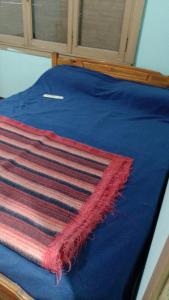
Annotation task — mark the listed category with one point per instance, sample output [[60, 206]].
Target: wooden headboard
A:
[[118, 71]]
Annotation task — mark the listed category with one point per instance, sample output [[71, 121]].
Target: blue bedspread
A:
[[118, 116]]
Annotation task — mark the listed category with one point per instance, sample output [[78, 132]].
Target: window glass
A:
[[50, 19], [11, 21], [100, 23]]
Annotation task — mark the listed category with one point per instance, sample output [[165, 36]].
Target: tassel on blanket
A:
[[65, 248]]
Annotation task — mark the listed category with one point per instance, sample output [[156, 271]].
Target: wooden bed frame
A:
[[8, 289], [123, 72], [158, 287]]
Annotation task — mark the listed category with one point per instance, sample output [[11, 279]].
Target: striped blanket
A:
[[53, 192]]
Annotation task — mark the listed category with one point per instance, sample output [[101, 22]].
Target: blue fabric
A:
[[118, 116]]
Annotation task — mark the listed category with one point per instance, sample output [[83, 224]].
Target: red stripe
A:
[[56, 175], [45, 134], [32, 186], [54, 158], [48, 164], [44, 207], [51, 225], [61, 153], [25, 228], [49, 183], [56, 144], [21, 243]]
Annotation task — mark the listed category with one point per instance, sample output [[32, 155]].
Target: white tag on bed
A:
[[57, 97]]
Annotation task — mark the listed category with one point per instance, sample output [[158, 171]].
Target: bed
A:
[[126, 114]]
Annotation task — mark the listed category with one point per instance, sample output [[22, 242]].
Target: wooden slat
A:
[[158, 283], [118, 71], [165, 292], [11, 291]]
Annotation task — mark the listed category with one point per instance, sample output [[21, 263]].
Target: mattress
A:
[[117, 116]]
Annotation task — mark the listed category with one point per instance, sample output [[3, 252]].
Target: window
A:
[[11, 21], [100, 24], [98, 29], [49, 21]]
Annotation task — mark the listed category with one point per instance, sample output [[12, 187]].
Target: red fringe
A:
[[67, 245]]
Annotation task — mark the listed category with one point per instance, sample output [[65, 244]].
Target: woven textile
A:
[[53, 192]]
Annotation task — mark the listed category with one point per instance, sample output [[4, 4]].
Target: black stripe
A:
[[55, 148], [28, 221], [52, 161], [39, 196], [18, 250], [47, 176]]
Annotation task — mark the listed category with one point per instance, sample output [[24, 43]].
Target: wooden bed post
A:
[[11, 291], [55, 57], [158, 287]]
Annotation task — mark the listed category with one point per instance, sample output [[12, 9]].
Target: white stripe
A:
[[55, 144]]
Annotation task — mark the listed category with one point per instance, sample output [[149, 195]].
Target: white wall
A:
[[153, 53], [160, 237], [19, 71]]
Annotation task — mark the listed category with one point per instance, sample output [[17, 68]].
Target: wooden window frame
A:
[[158, 286], [12, 39], [46, 45], [128, 42], [99, 53]]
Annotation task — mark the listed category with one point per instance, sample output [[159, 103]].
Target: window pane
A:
[[11, 22], [50, 19], [100, 23]]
